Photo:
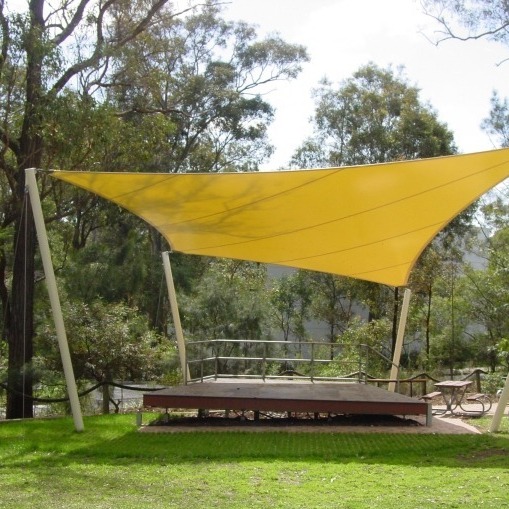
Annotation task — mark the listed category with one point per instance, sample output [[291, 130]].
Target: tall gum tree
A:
[[37, 63], [57, 56], [375, 116]]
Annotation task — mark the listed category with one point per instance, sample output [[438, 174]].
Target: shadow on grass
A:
[[114, 440]]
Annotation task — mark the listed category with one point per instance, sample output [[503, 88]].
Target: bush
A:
[[492, 382]]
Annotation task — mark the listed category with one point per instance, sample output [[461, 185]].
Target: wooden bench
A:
[[431, 395], [479, 398], [476, 397], [428, 397], [482, 399]]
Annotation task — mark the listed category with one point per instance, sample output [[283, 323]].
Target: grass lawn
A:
[[45, 464]]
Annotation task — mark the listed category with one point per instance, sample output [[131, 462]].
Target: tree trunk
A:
[[106, 398], [20, 329]]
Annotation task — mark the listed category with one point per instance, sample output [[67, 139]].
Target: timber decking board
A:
[[338, 398]]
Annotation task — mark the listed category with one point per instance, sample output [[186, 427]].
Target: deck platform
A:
[[295, 397]]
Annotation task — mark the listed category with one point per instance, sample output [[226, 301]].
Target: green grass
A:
[[44, 463]]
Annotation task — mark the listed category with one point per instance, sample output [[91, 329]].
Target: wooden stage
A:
[[291, 397]]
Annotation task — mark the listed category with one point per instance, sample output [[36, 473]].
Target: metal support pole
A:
[[501, 405], [56, 309], [172, 294], [399, 339]]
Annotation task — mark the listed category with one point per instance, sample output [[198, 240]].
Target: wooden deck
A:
[[296, 397]]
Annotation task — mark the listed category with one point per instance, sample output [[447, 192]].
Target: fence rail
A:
[[265, 359], [240, 358]]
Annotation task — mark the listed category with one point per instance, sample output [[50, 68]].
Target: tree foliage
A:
[[109, 343], [478, 19], [487, 287], [375, 116], [228, 303], [44, 51], [117, 85], [497, 123], [290, 300], [207, 75], [362, 340]]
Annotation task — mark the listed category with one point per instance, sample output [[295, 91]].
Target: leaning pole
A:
[[56, 309], [172, 295], [399, 340], [499, 412]]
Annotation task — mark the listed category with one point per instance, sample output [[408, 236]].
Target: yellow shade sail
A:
[[368, 222]]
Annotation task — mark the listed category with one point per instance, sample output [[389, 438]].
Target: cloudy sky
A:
[[456, 78]]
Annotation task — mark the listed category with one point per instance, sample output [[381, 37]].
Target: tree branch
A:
[[448, 33], [9, 142], [71, 26], [103, 48], [94, 59], [150, 111], [5, 37], [145, 22]]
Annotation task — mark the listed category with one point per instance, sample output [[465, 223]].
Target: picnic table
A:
[[453, 393]]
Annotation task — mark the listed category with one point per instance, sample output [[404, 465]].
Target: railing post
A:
[[478, 380], [366, 363], [312, 361], [264, 361], [359, 376], [216, 366], [201, 362]]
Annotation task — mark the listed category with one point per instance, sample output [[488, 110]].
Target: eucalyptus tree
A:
[[335, 302], [290, 299], [211, 76], [470, 19], [72, 79], [375, 116], [487, 286], [228, 303], [450, 325], [423, 281], [45, 51]]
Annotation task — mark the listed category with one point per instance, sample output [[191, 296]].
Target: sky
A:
[[456, 78]]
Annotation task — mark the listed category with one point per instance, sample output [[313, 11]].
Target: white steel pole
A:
[[499, 412], [56, 309], [399, 339], [172, 294]]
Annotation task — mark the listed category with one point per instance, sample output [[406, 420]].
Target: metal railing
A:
[[266, 359]]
